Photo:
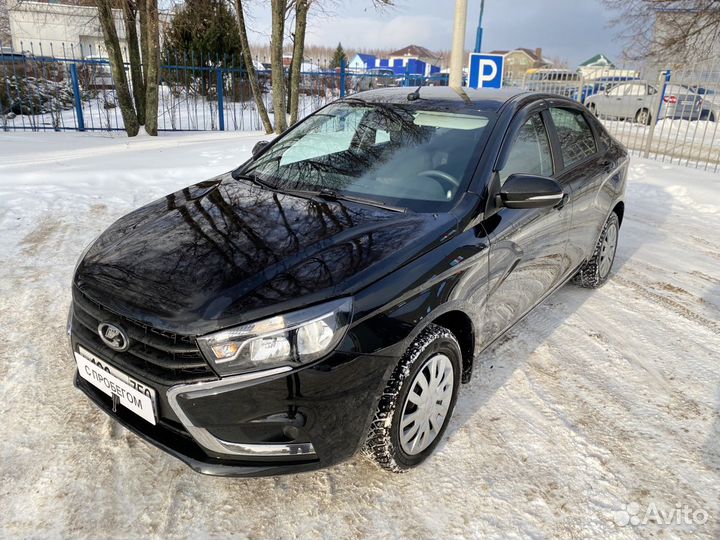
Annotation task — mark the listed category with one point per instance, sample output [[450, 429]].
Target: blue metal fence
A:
[[73, 89]]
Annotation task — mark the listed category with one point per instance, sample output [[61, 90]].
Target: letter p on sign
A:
[[486, 70]]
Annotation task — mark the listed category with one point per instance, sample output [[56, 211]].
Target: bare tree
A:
[[4, 23], [140, 108], [152, 67], [662, 29], [250, 68], [142, 12], [117, 66], [278, 9], [301, 11], [138, 82]]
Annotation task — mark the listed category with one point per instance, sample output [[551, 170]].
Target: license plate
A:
[[124, 390]]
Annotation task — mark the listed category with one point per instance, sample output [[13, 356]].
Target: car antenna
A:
[[412, 96]]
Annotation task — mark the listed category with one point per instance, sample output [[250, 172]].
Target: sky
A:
[[572, 30]]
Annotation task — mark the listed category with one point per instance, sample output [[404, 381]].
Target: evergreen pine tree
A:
[[338, 57]]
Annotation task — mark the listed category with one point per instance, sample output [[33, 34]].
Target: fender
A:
[[453, 278]]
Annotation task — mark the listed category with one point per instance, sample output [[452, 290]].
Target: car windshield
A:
[[413, 156]]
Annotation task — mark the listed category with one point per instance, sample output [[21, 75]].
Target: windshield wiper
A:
[[333, 195], [323, 193], [254, 179]]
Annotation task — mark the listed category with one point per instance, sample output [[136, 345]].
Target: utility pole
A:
[[478, 35], [458, 44]]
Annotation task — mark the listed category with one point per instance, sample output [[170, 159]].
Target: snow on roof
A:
[[366, 58], [598, 60], [415, 50]]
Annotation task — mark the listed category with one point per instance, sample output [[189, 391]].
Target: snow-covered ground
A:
[[598, 400]]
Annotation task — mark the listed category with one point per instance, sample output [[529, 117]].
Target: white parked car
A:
[[640, 101]]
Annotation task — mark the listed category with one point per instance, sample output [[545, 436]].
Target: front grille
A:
[[163, 357]]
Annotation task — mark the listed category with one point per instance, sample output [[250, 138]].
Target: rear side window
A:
[[530, 151], [636, 89], [576, 137], [603, 137]]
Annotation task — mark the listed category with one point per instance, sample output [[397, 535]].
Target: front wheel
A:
[[417, 402], [643, 117], [596, 270]]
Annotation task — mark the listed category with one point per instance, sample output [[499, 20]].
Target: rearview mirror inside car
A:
[[530, 191]]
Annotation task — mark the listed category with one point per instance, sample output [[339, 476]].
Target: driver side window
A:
[[530, 151]]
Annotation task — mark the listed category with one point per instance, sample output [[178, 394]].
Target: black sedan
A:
[[334, 292]]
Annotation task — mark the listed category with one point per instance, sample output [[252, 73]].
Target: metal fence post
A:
[[662, 94], [663, 80], [78, 97], [581, 87], [221, 108], [342, 77]]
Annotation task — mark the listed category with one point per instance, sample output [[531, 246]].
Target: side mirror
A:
[[529, 191], [259, 147]]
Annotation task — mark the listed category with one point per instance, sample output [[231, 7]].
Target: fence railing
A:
[[75, 90], [671, 115]]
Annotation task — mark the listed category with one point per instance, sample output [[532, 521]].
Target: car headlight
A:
[[284, 340]]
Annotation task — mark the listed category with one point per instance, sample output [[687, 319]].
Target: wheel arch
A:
[[460, 324], [619, 209]]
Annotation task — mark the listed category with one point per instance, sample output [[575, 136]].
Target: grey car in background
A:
[[640, 101]]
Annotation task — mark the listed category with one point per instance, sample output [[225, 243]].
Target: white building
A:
[[60, 30], [64, 30], [362, 62]]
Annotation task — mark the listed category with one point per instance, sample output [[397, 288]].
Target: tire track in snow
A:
[[668, 303]]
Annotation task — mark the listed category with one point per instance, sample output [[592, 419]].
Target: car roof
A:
[[489, 99]]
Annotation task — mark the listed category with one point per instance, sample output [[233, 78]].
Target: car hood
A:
[[225, 251]]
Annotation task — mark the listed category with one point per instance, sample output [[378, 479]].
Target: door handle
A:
[[562, 202]]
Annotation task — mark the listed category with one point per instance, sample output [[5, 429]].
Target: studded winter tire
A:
[[596, 270], [417, 402]]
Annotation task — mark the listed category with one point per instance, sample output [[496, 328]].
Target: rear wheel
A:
[[417, 402], [596, 270], [644, 117]]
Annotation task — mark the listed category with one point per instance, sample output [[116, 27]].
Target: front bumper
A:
[[284, 422], [185, 449]]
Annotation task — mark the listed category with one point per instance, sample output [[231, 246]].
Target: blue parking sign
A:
[[486, 70]]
